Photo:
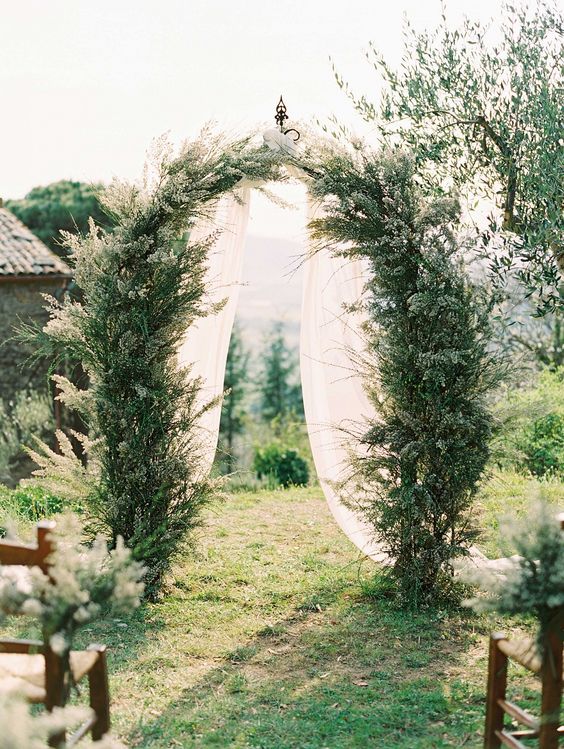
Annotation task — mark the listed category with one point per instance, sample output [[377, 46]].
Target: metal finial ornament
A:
[[280, 118]]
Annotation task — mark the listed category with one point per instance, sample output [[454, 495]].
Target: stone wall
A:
[[21, 302]]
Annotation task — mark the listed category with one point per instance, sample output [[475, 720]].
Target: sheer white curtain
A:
[[333, 395], [206, 343], [334, 399]]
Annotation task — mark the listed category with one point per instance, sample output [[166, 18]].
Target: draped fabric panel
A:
[[334, 398], [330, 346], [206, 344]]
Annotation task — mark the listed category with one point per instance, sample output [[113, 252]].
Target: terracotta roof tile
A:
[[23, 254]]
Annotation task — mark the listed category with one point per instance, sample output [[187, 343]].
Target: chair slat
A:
[[523, 651], [21, 646], [520, 715], [509, 740], [20, 554]]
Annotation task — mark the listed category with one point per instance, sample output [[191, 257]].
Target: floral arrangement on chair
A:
[[83, 582], [534, 583]]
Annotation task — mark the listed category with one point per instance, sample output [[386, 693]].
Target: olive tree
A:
[[482, 109]]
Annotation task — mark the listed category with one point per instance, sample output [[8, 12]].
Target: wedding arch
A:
[[152, 330]]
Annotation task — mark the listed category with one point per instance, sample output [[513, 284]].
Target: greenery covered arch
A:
[[144, 284]]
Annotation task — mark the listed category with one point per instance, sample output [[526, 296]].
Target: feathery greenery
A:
[[143, 286], [430, 366]]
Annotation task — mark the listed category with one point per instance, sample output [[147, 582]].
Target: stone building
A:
[[28, 269]]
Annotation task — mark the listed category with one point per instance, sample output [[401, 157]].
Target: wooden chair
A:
[[36, 672], [547, 729]]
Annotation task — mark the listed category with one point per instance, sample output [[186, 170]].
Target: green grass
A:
[[275, 636], [509, 493], [271, 639]]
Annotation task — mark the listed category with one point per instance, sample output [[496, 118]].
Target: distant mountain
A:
[[272, 288]]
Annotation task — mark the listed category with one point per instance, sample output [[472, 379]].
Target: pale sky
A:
[[86, 85]]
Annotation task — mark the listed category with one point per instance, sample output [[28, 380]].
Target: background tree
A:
[[539, 341], [430, 366], [279, 393], [61, 206], [483, 111], [232, 411]]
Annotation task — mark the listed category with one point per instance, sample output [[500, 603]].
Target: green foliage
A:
[[544, 446], [235, 384], [29, 415], [31, 503], [143, 285], [429, 369], [279, 394], [281, 463], [62, 206], [532, 435], [534, 585], [481, 108]]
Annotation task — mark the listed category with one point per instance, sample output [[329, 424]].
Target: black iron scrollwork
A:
[[281, 117]]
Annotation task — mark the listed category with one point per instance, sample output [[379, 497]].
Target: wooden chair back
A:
[[30, 555], [549, 670], [56, 688]]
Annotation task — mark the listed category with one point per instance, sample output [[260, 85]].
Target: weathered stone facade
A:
[[28, 269], [21, 301]]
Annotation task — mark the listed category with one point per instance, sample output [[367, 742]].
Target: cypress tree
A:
[[232, 411], [429, 363], [278, 394]]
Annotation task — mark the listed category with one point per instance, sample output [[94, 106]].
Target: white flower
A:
[[58, 643], [32, 607]]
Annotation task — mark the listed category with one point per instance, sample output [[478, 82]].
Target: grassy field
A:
[[274, 637], [274, 634]]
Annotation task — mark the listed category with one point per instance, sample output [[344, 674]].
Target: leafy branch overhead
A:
[[482, 108]]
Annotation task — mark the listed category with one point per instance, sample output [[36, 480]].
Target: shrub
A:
[[544, 446], [31, 503], [532, 436], [283, 464], [29, 415]]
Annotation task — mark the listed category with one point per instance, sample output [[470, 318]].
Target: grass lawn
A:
[[272, 638]]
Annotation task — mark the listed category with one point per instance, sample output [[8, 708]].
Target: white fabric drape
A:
[[334, 398], [206, 343], [330, 346]]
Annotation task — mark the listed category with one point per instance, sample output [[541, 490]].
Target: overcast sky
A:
[[87, 84]]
